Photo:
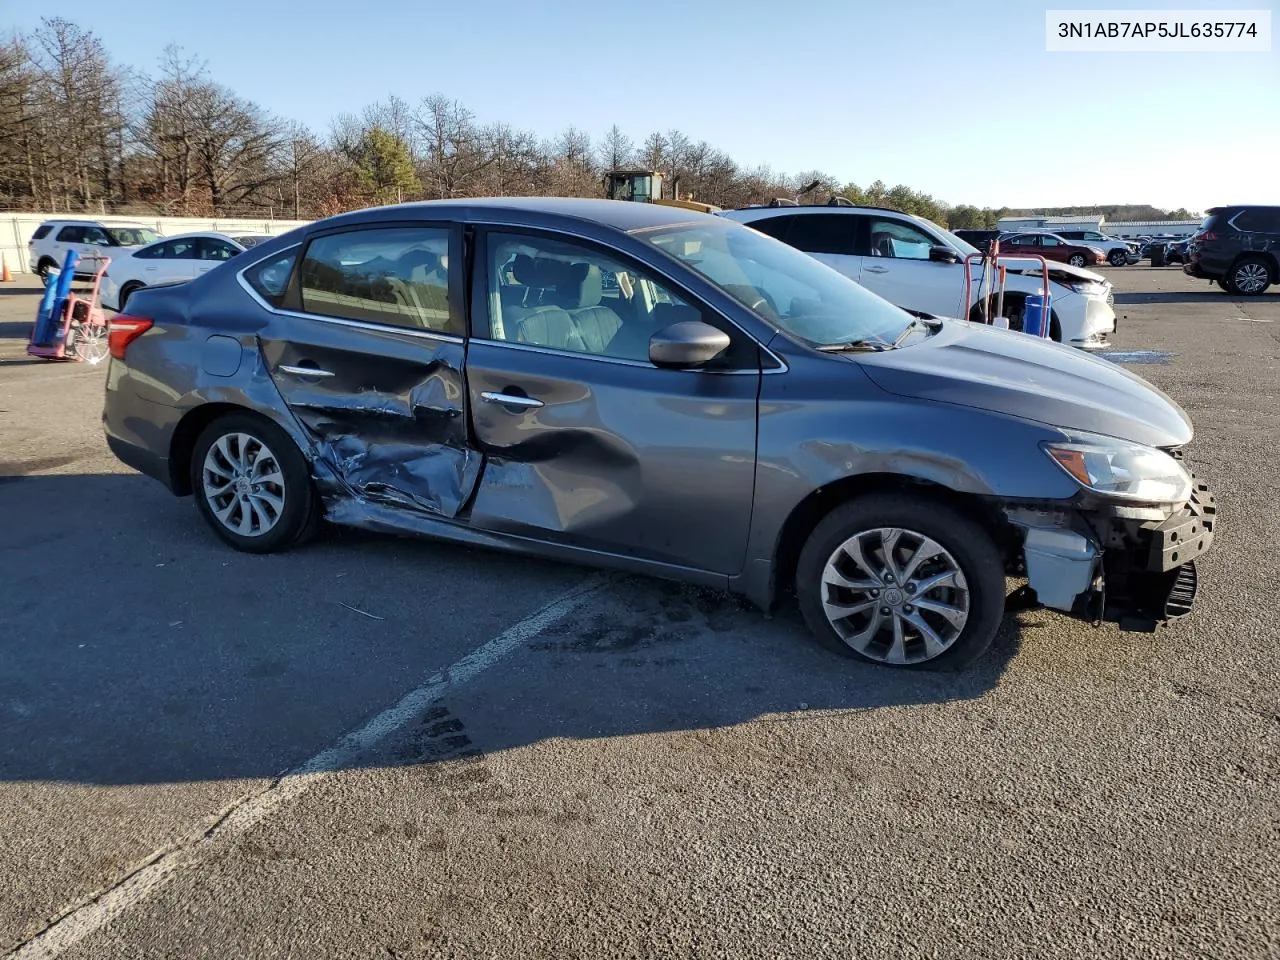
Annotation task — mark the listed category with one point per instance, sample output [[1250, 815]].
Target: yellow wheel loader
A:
[[645, 186]]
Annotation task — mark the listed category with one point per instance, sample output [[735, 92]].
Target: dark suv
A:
[[1238, 247]]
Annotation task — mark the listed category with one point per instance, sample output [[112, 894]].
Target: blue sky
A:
[[959, 99]]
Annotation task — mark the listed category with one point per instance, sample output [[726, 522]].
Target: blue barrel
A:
[[1035, 311]]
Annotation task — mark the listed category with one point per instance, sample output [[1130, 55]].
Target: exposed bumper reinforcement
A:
[[1150, 579]]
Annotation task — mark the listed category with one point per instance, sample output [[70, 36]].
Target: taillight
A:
[[123, 331]]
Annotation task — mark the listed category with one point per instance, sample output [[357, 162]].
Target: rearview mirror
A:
[[943, 254], [689, 343]]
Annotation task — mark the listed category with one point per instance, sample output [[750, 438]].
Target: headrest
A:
[[525, 269], [580, 286], [418, 257]]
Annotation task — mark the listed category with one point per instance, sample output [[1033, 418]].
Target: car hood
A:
[[1062, 272], [973, 365]]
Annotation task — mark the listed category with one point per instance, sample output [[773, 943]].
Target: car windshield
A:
[[788, 288], [132, 236], [960, 244]]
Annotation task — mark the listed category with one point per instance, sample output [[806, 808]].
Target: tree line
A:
[[82, 133]]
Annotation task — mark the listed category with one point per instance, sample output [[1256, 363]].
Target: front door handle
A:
[[305, 371], [511, 400], [876, 269]]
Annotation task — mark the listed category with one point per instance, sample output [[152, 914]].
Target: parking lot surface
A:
[[381, 747]]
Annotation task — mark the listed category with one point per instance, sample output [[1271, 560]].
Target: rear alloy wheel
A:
[[1118, 258], [902, 581], [1076, 260], [1249, 277], [251, 484]]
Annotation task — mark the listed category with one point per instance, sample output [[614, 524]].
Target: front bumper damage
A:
[[1102, 565]]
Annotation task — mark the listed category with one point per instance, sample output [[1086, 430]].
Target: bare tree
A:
[[453, 154], [77, 114], [304, 158], [616, 149]]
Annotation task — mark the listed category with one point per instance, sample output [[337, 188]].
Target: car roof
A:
[[625, 215], [79, 221], [195, 233], [759, 213]]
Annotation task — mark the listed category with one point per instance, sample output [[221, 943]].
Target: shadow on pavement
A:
[[138, 649], [1210, 294], [16, 329]]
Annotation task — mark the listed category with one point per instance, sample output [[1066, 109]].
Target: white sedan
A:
[[170, 260]]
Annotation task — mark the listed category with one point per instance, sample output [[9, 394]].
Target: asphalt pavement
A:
[[382, 747]]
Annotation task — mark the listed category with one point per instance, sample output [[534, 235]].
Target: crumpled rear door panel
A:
[[390, 422]]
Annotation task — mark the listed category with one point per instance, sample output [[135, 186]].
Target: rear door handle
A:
[[511, 400], [305, 371], [876, 269]]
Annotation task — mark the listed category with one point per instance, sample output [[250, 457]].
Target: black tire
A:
[[126, 292], [1014, 307], [44, 266], [968, 543], [1117, 258], [300, 516], [1249, 271], [1076, 260]]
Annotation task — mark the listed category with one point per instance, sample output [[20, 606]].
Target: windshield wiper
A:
[[933, 323], [864, 343]]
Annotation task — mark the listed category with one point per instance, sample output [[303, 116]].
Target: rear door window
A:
[[825, 233], [71, 235], [776, 227], [398, 276], [170, 250]]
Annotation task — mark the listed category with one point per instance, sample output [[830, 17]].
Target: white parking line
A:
[[85, 917]]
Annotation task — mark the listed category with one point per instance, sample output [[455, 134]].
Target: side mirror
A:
[[943, 254], [689, 343]]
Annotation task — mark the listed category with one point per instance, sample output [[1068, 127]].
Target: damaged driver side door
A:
[[368, 352]]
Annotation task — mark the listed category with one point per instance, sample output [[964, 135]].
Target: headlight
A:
[[1086, 287], [1123, 470]]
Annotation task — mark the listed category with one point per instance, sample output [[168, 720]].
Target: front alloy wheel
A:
[[1118, 258], [1076, 260], [902, 579], [895, 595]]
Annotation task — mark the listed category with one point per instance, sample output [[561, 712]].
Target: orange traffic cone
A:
[[5, 275]]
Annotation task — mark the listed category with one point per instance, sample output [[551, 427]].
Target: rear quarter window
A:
[[270, 278], [42, 231], [1259, 221]]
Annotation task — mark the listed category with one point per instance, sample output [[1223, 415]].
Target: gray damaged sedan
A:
[[639, 387]]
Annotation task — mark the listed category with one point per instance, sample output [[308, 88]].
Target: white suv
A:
[[917, 265], [91, 239]]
